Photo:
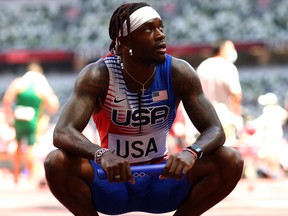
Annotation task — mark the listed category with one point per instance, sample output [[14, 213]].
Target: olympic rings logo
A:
[[141, 174]]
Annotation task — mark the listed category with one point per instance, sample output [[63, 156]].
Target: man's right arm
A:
[[89, 92], [88, 96]]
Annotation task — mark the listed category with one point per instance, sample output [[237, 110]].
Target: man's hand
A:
[[117, 168], [178, 165]]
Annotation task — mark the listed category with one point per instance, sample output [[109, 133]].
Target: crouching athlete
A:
[[133, 94]]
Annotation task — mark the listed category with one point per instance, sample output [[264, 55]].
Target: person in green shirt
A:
[[25, 100]]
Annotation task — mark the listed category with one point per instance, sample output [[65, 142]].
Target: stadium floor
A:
[[269, 197]]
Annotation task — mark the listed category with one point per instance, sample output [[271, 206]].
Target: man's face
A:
[[148, 42]]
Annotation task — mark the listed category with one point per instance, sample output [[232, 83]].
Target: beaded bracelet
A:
[[99, 153]]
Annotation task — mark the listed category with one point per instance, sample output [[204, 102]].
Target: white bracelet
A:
[[99, 153]]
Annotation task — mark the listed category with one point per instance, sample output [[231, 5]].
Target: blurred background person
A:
[[25, 102], [269, 138], [220, 81]]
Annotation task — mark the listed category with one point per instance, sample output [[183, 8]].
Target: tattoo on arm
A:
[[187, 87]]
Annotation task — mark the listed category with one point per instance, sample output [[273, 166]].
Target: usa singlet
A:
[[135, 127]]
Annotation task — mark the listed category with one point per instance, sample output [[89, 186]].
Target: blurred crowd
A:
[[81, 24]]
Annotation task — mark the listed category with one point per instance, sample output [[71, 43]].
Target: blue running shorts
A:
[[148, 194]]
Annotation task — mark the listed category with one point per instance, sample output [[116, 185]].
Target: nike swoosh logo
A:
[[116, 100]]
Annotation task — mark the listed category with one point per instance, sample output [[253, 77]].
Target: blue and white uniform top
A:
[[136, 126]]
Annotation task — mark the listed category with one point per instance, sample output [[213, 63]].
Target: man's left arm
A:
[[187, 87]]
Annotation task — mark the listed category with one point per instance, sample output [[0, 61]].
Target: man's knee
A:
[[237, 159], [59, 163], [53, 162], [232, 161]]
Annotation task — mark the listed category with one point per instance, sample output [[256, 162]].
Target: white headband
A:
[[139, 17]]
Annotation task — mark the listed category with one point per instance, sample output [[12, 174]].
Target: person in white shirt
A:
[[220, 82]]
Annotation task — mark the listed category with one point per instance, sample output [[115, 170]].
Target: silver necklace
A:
[[143, 84]]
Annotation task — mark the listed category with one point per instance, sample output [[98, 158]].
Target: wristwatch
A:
[[198, 150]]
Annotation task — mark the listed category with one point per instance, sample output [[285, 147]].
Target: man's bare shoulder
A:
[[93, 79], [184, 76], [94, 71], [182, 67], [17, 84]]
